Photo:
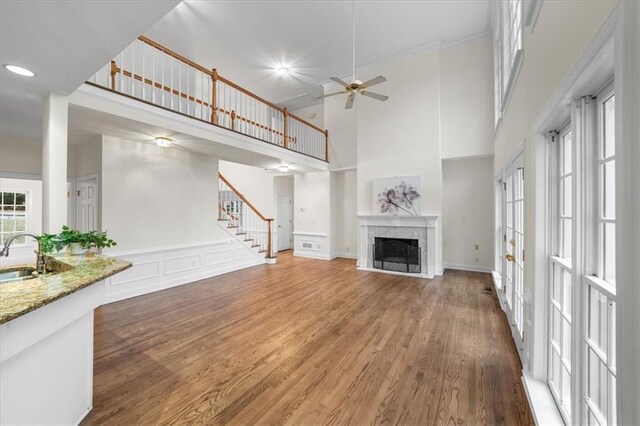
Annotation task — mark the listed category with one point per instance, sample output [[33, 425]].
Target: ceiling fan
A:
[[357, 86]]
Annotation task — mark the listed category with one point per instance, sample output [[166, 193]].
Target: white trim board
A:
[[544, 409], [159, 269], [469, 268]]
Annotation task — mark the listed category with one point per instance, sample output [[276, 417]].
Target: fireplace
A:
[[397, 254], [422, 229]]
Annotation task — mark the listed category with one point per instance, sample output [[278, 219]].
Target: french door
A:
[[513, 247]]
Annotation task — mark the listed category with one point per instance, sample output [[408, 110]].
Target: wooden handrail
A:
[[215, 77], [220, 78], [302, 120], [173, 54], [249, 93], [243, 198], [160, 86]]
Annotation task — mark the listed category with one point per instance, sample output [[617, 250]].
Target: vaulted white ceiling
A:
[[247, 40], [65, 42]]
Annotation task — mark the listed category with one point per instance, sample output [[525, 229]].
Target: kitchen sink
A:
[[18, 274]]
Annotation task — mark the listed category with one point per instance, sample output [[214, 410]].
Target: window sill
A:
[[543, 407]]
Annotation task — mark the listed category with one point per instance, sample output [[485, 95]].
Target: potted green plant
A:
[[50, 243], [71, 239], [95, 239]]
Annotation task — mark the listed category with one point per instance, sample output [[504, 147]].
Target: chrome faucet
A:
[[41, 265]]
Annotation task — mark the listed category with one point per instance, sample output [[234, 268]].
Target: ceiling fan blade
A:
[[350, 99], [379, 79], [375, 96], [341, 82], [333, 94]]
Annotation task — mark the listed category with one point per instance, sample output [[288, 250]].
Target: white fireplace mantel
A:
[[427, 222]]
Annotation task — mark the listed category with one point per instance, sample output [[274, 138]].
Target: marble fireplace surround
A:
[[421, 228]]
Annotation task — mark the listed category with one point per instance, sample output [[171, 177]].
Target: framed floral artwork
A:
[[396, 195]]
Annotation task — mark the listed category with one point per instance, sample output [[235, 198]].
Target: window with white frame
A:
[[600, 297], [13, 215], [560, 295], [507, 27], [582, 266]]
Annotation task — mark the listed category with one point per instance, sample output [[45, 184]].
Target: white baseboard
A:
[[344, 255], [311, 255], [165, 268], [470, 268], [406, 274]]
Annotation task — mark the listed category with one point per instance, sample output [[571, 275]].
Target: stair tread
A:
[[256, 245]]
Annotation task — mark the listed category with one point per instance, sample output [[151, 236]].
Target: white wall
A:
[[254, 183], [466, 98], [20, 156], [344, 218], [562, 31], [313, 114], [312, 214], [85, 158], [401, 137], [156, 198], [341, 124], [467, 214], [23, 156]]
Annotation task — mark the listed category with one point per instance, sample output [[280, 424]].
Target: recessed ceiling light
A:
[[19, 70], [164, 142], [283, 71], [283, 168]]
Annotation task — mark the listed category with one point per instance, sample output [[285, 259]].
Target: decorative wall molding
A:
[[312, 245], [163, 268]]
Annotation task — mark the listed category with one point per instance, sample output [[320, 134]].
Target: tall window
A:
[[582, 265], [507, 27], [600, 386], [559, 374], [13, 215]]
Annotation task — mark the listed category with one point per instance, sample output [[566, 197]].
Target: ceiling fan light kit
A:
[[356, 86]]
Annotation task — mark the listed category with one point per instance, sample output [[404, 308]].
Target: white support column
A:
[[54, 162], [627, 89]]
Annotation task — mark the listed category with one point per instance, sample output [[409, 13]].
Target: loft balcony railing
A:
[[152, 73]]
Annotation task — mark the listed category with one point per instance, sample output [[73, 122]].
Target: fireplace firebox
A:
[[397, 254]]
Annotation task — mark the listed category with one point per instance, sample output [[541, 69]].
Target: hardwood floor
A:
[[309, 342]]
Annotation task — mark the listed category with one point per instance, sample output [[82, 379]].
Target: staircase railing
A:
[[152, 73], [241, 215]]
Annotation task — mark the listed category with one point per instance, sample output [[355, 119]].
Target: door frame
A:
[[516, 161], [98, 210], [279, 224]]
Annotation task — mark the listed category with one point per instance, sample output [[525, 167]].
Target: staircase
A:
[[242, 219]]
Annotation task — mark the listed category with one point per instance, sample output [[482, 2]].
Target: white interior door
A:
[[87, 205], [513, 247], [285, 223]]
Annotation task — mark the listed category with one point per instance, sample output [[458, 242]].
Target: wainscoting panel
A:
[[309, 244], [159, 269]]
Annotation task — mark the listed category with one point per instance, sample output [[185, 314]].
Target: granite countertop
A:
[[73, 273]]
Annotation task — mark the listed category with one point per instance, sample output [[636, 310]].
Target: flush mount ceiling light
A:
[[164, 142], [283, 168], [19, 70], [283, 71]]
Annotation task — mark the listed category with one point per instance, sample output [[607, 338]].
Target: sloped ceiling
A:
[[63, 42]]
